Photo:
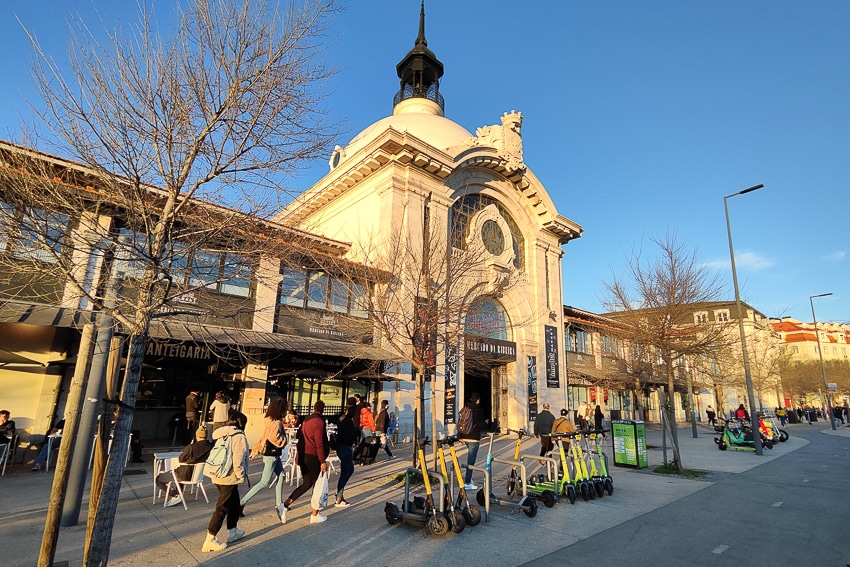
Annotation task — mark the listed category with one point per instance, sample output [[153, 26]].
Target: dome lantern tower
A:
[[420, 73]]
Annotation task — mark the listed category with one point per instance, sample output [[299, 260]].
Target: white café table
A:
[[163, 462]]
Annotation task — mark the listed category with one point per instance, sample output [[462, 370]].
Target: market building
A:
[[417, 169]]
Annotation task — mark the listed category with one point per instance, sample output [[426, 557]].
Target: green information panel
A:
[[629, 444]]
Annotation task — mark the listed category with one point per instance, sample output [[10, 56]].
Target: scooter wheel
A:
[[721, 445], [609, 486], [768, 443], [599, 487], [548, 498], [391, 512], [457, 521], [472, 515], [479, 497], [571, 494], [585, 491], [531, 507], [783, 435], [438, 525]]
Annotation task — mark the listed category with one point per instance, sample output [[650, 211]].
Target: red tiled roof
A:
[[800, 337]]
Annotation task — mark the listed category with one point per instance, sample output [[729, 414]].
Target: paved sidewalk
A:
[[151, 536]]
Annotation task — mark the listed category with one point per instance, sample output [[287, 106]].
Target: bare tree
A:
[[656, 301], [434, 289], [220, 111]]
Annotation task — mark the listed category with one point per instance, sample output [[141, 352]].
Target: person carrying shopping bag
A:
[[313, 452]]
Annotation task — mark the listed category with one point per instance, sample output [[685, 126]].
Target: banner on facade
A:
[[532, 388], [451, 384], [552, 378]]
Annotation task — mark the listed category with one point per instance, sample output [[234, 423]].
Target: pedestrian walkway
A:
[[151, 536]]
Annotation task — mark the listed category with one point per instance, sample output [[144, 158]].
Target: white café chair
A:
[[290, 469], [196, 482], [7, 453]]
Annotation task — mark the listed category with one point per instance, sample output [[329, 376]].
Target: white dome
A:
[[418, 117]]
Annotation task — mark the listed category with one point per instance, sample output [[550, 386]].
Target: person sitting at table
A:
[[194, 453], [291, 420], [7, 427], [55, 433]]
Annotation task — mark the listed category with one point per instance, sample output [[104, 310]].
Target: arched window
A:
[[487, 318], [465, 208]]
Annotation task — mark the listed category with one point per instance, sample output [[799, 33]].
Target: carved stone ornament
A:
[[506, 138], [489, 231]]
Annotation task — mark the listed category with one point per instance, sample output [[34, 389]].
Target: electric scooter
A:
[[471, 513], [739, 436], [607, 481], [456, 519], [526, 505], [593, 474], [565, 486], [543, 486], [583, 483], [429, 513]]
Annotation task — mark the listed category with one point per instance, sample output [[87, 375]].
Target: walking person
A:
[[219, 410], [472, 437], [584, 412], [367, 419], [270, 446], [228, 506], [542, 428], [382, 423], [346, 438], [193, 412], [312, 456], [598, 419], [782, 415], [711, 415]]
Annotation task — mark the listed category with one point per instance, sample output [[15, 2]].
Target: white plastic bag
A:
[[320, 492]]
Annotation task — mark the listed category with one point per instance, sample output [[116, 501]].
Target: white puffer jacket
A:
[[240, 452]]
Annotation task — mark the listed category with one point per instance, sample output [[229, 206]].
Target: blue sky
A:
[[638, 118]]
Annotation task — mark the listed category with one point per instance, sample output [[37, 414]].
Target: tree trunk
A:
[[97, 553], [60, 475]]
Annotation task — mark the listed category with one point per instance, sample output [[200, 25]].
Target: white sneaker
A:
[[234, 533], [470, 486], [318, 519], [342, 504], [281, 513], [212, 544], [173, 501]]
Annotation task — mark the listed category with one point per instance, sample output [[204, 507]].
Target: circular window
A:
[[493, 237]]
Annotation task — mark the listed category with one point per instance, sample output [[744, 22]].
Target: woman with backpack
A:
[[227, 482], [270, 446]]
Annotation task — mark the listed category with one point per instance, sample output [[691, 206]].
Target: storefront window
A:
[[40, 235], [317, 290]]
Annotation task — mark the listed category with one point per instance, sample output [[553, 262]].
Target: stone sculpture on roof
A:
[[506, 139]]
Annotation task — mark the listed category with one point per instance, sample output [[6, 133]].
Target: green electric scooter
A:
[[607, 481]]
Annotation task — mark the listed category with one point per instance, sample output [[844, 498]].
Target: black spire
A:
[[420, 70]]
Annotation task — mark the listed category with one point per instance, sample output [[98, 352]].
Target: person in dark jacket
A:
[[382, 423], [312, 456], [346, 438], [542, 428], [598, 418], [473, 438], [194, 453]]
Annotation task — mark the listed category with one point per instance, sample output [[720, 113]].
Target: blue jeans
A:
[[268, 471], [471, 455], [346, 468]]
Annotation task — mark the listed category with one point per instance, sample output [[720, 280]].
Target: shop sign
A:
[[532, 388], [450, 384], [490, 349], [186, 351], [552, 378]]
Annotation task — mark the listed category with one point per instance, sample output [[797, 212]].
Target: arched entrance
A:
[[487, 349]]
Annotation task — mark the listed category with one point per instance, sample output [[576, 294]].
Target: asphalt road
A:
[[792, 511]]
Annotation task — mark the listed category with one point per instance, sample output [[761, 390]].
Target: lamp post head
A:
[[745, 191], [819, 295]]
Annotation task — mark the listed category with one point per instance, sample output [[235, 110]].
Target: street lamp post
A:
[[820, 354], [747, 375]]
